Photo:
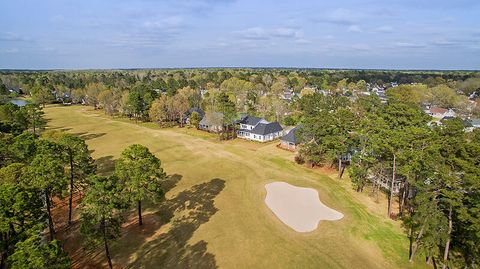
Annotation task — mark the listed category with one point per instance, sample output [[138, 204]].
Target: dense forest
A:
[[431, 169], [40, 169], [256, 91]]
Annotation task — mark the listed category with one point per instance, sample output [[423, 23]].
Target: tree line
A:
[[39, 168], [431, 169], [256, 91]]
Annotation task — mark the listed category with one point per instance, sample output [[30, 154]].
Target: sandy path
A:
[[299, 208]]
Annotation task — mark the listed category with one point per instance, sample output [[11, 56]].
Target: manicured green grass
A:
[[214, 213]]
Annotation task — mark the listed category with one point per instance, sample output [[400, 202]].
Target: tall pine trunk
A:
[[139, 206], [33, 125], [3, 259], [410, 242], [340, 166], [49, 213], [447, 244], [401, 201], [415, 246], [390, 200], [70, 199], [107, 251], [434, 263]]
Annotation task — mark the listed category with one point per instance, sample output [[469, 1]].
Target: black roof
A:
[[250, 120], [209, 118], [467, 123], [200, 112], [292, 136], [448, 118], [266, 128]]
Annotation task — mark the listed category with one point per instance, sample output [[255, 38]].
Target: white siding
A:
[[260, 138]]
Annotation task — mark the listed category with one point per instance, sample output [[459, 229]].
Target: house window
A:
[[254, 136]]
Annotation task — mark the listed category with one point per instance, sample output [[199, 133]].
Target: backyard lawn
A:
[[214, 214]]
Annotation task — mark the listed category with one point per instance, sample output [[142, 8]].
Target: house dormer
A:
[[249, 122]]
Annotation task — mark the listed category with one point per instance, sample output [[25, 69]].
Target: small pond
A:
[[19, 102]]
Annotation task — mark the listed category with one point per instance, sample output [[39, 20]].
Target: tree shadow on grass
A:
[[79, 134], [91, 136], [105, 165], [170, 182], [58, 128], [184, 214], [88, 136]]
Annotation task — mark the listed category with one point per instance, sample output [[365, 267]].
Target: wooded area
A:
[[38, 166], [430, 168]]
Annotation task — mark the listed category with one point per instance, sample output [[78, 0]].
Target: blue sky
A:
[[399, 34]]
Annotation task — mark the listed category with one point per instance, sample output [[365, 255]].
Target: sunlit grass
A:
[[235, 229]]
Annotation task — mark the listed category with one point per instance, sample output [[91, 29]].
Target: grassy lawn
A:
[[214, 213]]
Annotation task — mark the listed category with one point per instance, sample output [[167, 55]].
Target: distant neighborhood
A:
[[258, 129], [252, 127], [249, 128]]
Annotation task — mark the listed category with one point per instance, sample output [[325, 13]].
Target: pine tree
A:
[[46, 172], [35, 253], [142, 175], [21, 208], [79, 162], [101, 210]]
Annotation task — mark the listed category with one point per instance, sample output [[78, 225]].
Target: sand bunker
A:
[[299, 208]]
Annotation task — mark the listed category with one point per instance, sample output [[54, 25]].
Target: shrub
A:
[[299, 159]]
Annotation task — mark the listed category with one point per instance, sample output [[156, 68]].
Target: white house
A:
[[471, 124], [440, 113], [249, 122], [288, 94], [258, 129], [212, 122]]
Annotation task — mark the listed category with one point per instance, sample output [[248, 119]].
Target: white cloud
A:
[[173, 22], [328, 37], [302, 41], [354, 29], [9, 51], [361, 47], [261, 33], [257, 33], [12, 37], [285, 32], [410, 45], [340, 16], [153, 33], [384, 29]]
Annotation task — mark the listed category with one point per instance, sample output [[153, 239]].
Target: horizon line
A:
[[234, 67]]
